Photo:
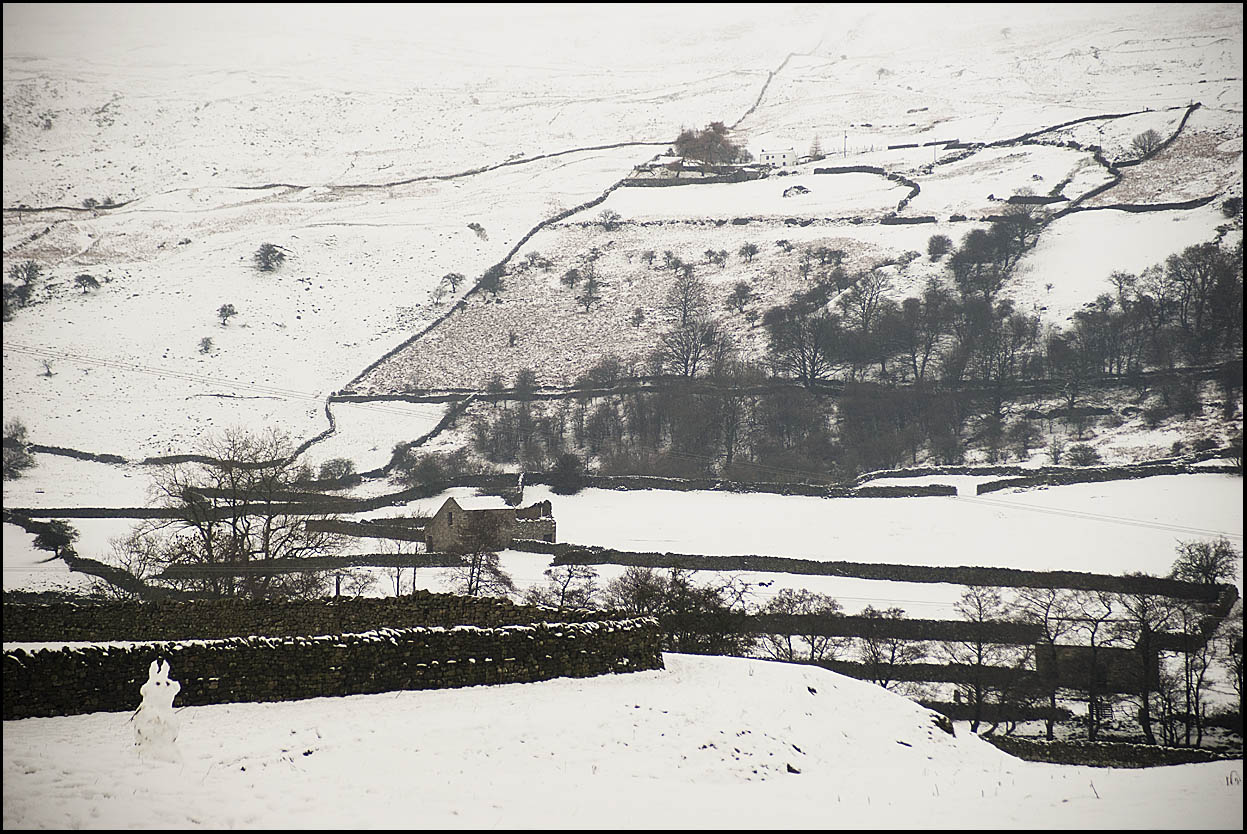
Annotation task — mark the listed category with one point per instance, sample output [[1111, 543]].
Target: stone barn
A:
[[453, 526]]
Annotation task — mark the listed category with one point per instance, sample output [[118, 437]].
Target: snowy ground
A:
[[964, 187], [661, 749], [904, 73], [841, 195], [1072, 262]]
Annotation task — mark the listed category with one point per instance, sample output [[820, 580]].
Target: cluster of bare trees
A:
[[1100, 647], [232, 511], [19, 289], [712, 145], [1144, 658], [682, 430], [1188, 310]]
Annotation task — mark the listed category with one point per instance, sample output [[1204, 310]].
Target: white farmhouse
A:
[[777, 159]]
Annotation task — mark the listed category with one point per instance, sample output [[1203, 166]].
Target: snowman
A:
[[155, 725]]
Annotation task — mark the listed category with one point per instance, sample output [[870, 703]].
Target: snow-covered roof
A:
[[481, 502]]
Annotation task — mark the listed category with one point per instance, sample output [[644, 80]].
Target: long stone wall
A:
[[107, 678], [1102, 753], [1038, 471], [1107, 473], [303, 649], [778, 488], [571, 554], [219, 619]]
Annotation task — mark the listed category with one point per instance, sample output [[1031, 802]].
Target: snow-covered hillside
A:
[[327, 109], [705, 743]]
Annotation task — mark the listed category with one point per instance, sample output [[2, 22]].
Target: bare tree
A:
[[239, 506], [401, 550], [491, 282], [1209, 562], [1230, 652], [637, 591], [1146, 615], [938, 246], [699, 344], [17, 457], [861, 302], [687, 298], [609, 220], [1146, 142], [480, 573], [57, 537], [1196, 662], [880, 654], [86, 282], [591, 292], [741, 295], [710, 145], [567, 586], [268, 257], [1052, 610], [803, 343], [24, 275], [139, 554], [980, 605], [1096, 611], [810, 647], [696, 617]]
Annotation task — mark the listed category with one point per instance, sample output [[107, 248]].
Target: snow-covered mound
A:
[[709, 742]]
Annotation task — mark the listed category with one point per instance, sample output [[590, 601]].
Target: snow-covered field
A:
[[964, 186], [790, 747], [905, 73], [841, 195], [1114, 527], [1072, 262]]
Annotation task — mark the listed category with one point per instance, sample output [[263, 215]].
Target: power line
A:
[[1112, 519]]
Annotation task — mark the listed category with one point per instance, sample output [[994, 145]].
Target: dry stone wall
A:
[[1223, 595], [225, 618], [1102, 753], [1106, 473], [107, 678]]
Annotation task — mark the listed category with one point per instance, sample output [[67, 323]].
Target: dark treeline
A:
[[927, 379]]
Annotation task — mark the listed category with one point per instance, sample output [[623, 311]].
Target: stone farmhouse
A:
[[777, 159], [452, 525]]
